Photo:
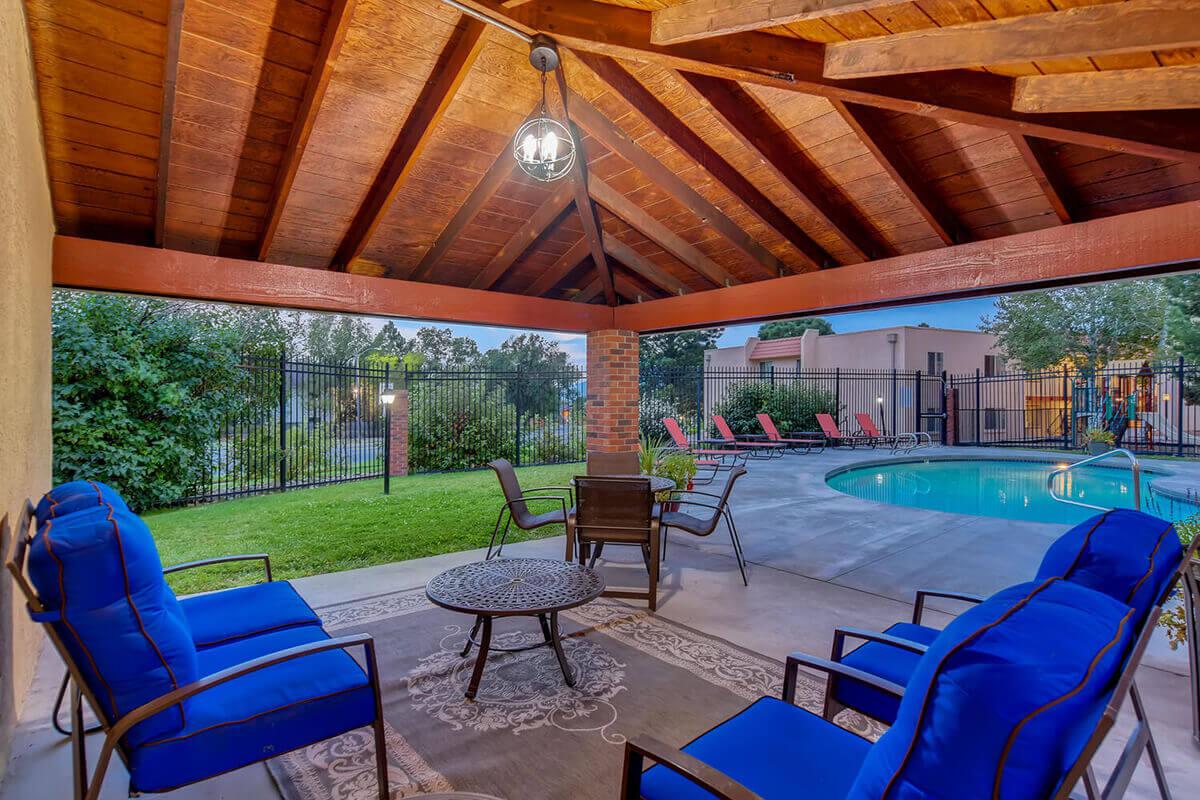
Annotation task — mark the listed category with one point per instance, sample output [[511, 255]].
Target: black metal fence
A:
[[1149, 408]]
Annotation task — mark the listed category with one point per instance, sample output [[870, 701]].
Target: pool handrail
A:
[[1134, 465]]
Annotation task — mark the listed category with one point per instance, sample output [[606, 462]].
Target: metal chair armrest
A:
[[207, 562], [833, 669], [923, 594], [695, 491], [841, 634], [570, 492], [693, 769]]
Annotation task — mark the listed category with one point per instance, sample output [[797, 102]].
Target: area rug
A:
[[527, 734]]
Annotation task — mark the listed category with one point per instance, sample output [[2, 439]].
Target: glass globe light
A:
[[544, 149]]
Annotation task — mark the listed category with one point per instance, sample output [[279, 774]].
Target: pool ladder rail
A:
[[1134, 465]]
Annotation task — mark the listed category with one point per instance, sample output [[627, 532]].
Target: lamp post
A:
[[387, 396], [879, 405]]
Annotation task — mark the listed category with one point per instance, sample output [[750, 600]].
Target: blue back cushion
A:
[[1128, 555], [67, 498], [99, 577], [1003, 701]]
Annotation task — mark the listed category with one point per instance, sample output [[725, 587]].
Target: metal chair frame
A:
[[682, 497], [650, 548], [525, 496]]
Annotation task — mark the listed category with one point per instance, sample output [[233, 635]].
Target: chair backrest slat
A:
[[723, 428], [864, 422], [828, 426], [624, 504], [675, 432], [768, 426]]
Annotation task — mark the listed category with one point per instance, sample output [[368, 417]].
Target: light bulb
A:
[[549, 147], [528, 148]]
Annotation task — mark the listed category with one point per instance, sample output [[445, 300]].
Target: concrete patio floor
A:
[[818, 559]]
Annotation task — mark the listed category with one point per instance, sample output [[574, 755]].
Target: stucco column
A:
[[612, 391], [398, 461]]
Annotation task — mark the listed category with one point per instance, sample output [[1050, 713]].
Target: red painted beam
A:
[[113, 267], [1149, 242]]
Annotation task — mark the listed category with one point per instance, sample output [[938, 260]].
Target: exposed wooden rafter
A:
[[560, 268], [757, 129], [701, 19], [306, 117], [626, 288], [868, 124], [527, 234], [447, 75], [636, 262], [167, 117], [1159, 88], [691, 144], [1087, 31], [1053, 183]]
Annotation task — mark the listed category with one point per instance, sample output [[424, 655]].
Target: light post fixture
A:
[[387, 396], [879, 405]]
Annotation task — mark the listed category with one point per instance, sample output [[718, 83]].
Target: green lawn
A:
[[334, 528]]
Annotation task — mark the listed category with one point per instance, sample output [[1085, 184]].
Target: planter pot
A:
[[1096, 448]]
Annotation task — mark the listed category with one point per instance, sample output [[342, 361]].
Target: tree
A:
[[390, 342], [1083, 327], [784, 328], [685, 349], [542, 376], [1183, 325], [439, 348], [336, 338]]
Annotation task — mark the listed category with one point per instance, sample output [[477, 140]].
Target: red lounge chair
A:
[[808, 442], [757, 448], [900, 441], [837, 439], [712, 459]]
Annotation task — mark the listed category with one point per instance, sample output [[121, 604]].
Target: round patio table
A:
[[514, 587], [657, 483]]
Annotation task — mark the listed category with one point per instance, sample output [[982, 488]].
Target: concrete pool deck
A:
[[818, 559]]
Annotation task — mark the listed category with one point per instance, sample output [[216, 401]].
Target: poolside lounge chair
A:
[[712, 459], [1063, 654], [757, 447], [515, 510], [704, 524], [900, 441], [837, 439], [793, 442]]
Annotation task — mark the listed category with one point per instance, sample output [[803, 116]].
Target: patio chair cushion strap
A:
[[67, 498], [232, 614], [772, 748], [1002, 703], [121, 623], [884, 661], [271, 711]]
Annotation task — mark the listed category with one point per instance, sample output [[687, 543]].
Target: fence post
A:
[[837, 393], [894, 428], [978, 413], [1179, 407], [701, 377], [282, 418], [517, 405], [1067, 415], [945, 412], [917, 410]]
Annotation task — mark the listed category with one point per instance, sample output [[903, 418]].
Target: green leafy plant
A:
[[649, 451], [792, 405], [1100, 436], [679, 467], [1174, 619]]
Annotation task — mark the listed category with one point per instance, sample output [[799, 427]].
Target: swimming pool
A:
[[1001, 488]]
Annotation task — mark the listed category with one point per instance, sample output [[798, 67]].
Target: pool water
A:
[[1006, 489]]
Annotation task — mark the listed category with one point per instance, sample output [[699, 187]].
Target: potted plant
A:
[[1099, 440], [678, 465]]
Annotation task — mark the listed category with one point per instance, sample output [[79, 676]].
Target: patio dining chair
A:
[[792, 441], [837, 439], [517, 500], [618, 512], [713, 460], [1010, 702], [757, 448], [906, 442], [182, 694], [705, 511]]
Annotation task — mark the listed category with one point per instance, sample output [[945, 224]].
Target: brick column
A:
[[398, 467], [612, 391], [951, 417]]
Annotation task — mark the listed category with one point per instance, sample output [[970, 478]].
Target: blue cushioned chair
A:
[[1009, 702], [184, 690]]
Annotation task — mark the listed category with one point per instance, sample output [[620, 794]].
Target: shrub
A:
[[793, 406], [458, 426]]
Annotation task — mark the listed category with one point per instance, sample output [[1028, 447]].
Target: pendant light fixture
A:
[[543, 146]]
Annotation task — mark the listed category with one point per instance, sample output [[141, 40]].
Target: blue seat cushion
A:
[[1128, 555], [233, 614], [263, 714], [1003, 701], [67, 498], [776, 750], [887, 662]]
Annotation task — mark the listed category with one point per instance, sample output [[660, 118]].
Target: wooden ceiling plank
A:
[[560, 268], [757, 129], [614, 138], [1129, 27], [702, 19], [639, 264], [525, 236], [1156, 88], [332, 38], [694, 147], [868, 124], [447, 75], [583, 200], [167, 117], [641, 221], [1049, 177]]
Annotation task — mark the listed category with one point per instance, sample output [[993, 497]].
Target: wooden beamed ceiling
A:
[[723, 142]]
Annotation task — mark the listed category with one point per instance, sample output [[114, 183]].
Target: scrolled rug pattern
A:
[[527, 734]]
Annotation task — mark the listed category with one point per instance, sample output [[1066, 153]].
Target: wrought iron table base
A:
[[550, 632]]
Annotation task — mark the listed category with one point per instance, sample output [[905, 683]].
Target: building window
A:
[[993, 365], [798, 365], [993, 419], [765, 369], [936, 362]]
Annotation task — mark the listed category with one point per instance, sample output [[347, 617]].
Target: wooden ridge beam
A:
[[1048, 176], [546, 215], [675, 130], [112, 267], [756, 129], [167, 117], [448, 73], [560, 268], [1157, 241], [701, 19], [614, 138], [625, 288], [638, 264], [971, 97], [641, 221], [867, 123], [332, 38], [1156, 88], [1130, 27]]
